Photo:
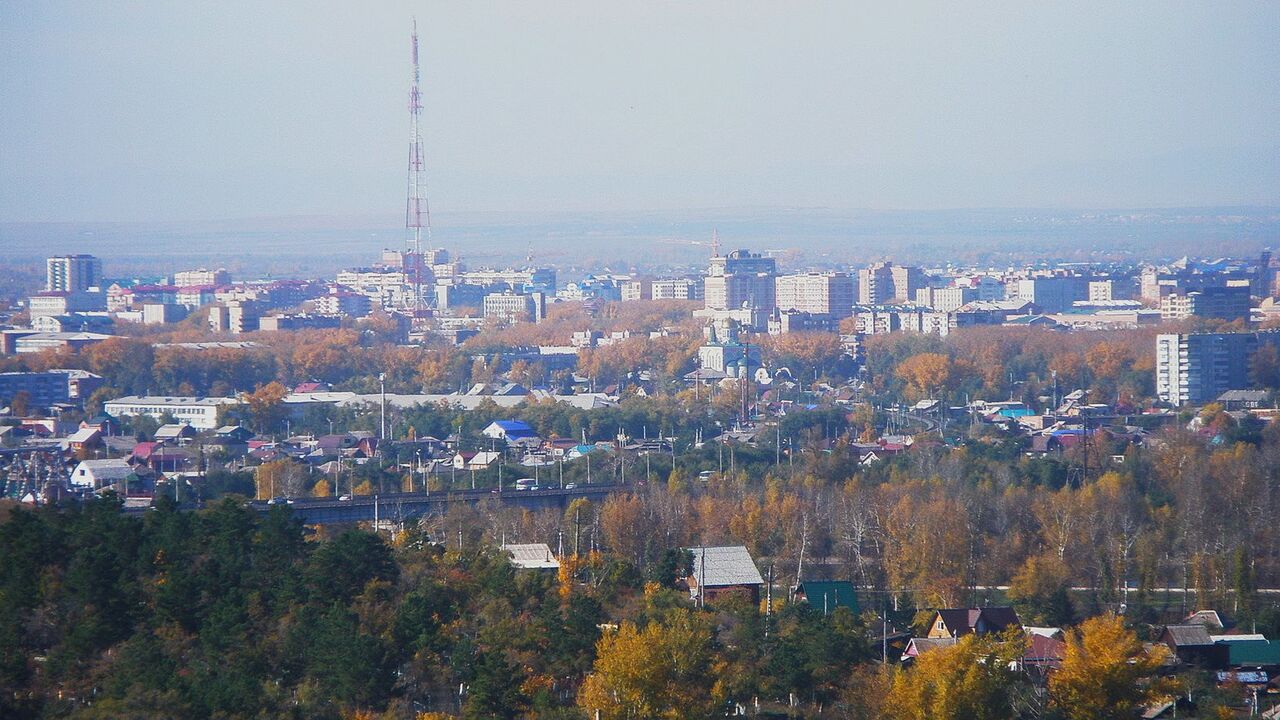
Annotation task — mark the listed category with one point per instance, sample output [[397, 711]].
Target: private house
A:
[[919, 646], [723, 571], [466, 460], [175, 433], [512, 432], [104, 424], [84, 439], [98, 474], [827, 595], [532, 556], [958, 622], [1192, 645], [233, 434]]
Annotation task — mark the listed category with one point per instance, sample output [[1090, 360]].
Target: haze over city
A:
[[154, 111], [604, 361]]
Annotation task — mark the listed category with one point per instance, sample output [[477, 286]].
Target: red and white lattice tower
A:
[[417, 213]]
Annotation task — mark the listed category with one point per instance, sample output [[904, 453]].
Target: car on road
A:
[[571, 486], [344, 498]]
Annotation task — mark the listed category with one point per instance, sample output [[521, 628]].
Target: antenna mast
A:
[[417, 211]]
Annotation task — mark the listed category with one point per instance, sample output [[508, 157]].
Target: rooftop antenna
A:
[[417, 211], [715, 242]]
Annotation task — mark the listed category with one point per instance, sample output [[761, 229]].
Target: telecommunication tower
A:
[[417, 211]]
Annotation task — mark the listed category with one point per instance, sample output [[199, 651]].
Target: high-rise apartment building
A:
[[72, 273], [741, 285], [885, 282], [740, 279], [816, 292], [1197, 368]]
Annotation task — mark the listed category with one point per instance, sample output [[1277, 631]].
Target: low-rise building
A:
[[198, 412]]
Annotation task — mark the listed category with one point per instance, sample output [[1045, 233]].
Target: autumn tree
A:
[[1105, 672], [266, 405], [1040, 590], [925, 374], [970, 680], [660, 671]]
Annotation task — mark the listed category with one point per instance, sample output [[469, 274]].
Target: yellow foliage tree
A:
[[321, 489], [1105, 671], [925, 374], [659, 672], [970, 680]]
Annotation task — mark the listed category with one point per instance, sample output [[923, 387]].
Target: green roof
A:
[[1254, 652], [830, 594]]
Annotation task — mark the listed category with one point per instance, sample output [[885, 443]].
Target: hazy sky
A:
[[190, 110]]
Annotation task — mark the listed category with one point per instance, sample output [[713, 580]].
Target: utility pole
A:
[[382, 388]]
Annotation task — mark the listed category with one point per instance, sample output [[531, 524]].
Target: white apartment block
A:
[[386, 287], [676, 289], [815, 292], [198, 412], [192, 278]]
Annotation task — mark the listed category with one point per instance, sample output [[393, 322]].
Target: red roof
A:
[[143, 450]]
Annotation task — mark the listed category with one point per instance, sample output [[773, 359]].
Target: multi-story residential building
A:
[[1197, 368], [235, 317], [198, 412], [789, 321], [920, 321], [511, 307], [885, 282], [677, 289], [163, 313], [42, 388], [196, 296], [661, 289], [63, 302], [636, 289], [816, 293], [1052, 294], [540, 279], [741, 286], [946, 299], [344, 302], [299, 321], [188, 278], [1225, 303], [386, 286], [877, 321], [988, 288], [72, 273], [453, 297]]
